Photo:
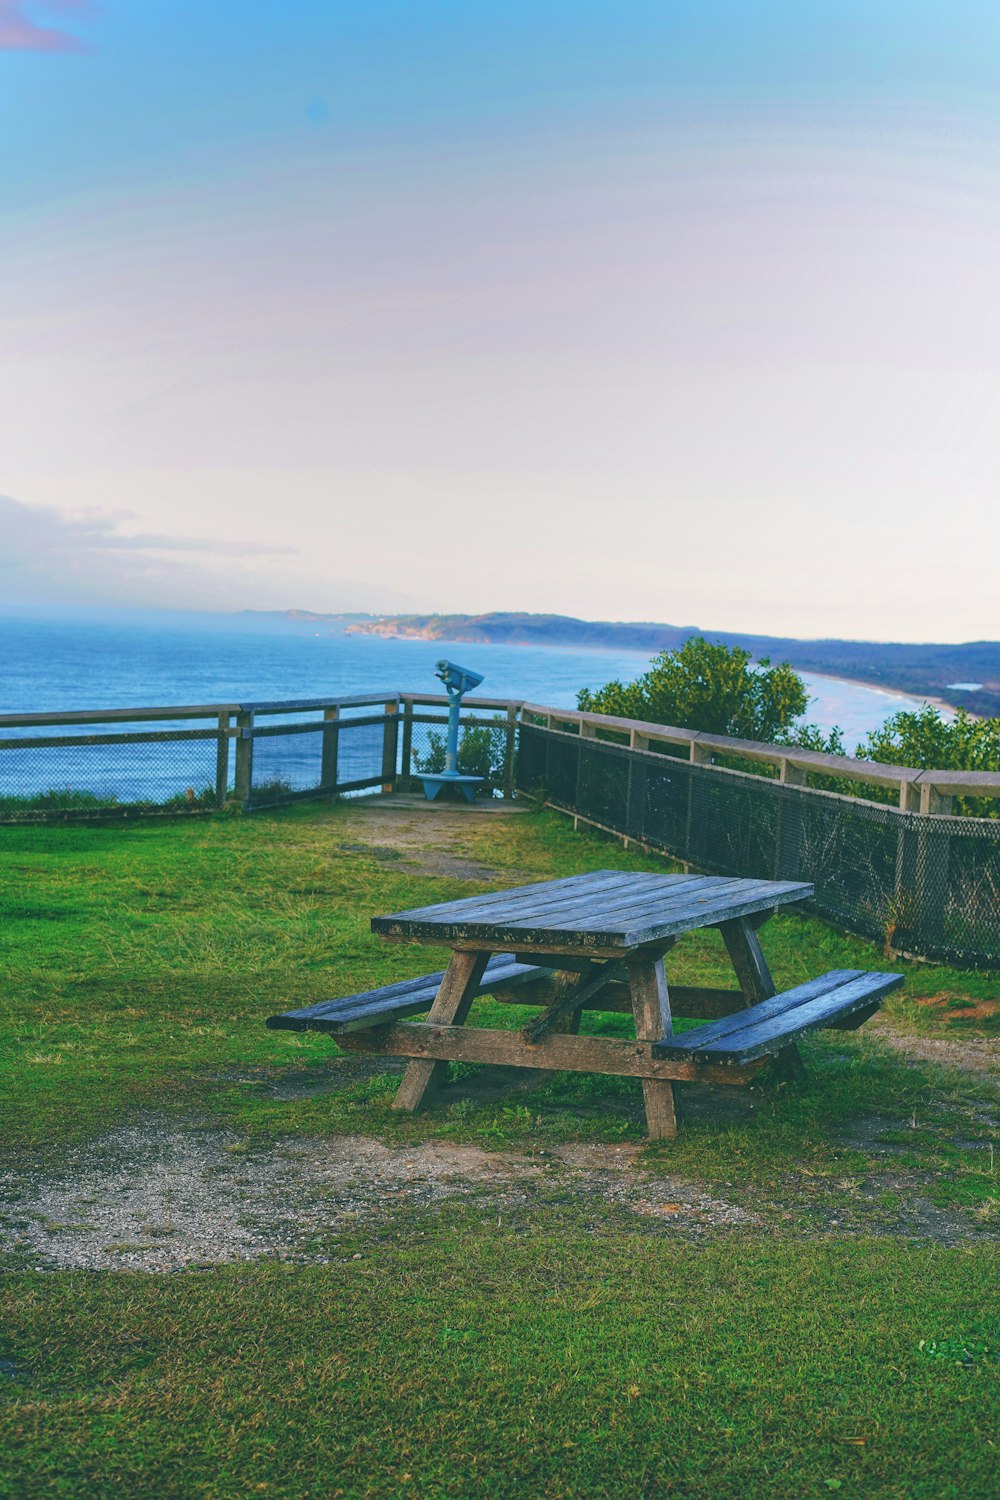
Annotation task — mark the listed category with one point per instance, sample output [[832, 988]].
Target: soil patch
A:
[[156, 1196], [429, 838], [971, 1054]]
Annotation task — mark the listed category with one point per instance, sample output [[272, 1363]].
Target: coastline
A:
[[941, 704]]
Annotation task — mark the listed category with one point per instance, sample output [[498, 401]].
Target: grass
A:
[[559, 1352], [456, 1360]]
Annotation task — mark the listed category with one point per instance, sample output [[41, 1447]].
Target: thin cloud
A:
[[46, 556], [18, 33], [36, 530]]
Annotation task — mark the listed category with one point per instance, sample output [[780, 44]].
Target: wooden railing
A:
[[236, 728], [917, 790]]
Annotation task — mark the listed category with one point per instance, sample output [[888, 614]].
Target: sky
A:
[[663, 311]]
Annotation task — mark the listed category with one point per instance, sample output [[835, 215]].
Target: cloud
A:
[[51, 557], [20, 34], [87, 558]]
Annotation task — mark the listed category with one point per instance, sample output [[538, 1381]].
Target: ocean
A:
[[128, 659]]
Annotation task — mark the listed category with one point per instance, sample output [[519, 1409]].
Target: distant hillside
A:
[[925, 670]]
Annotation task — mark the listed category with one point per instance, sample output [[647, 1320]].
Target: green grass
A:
[[557, 1353], [456, 1359]]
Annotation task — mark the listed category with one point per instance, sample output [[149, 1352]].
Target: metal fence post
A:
[[390, 740], [222, 761], [933, 867], [331, 745], [244, 758], [509, 753], [407, 740]]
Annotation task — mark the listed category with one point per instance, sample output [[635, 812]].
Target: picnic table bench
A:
[[597, 942]]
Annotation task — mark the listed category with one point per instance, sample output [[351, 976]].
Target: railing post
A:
[[933, 866], [331, 746], [390, 740], [509, 752], [244, 758], [222, 761], [407, 755]]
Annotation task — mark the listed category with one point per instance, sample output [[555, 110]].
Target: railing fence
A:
[[926, 885], [905, 871]]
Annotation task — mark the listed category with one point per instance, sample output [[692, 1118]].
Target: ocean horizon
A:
[[104, 659]]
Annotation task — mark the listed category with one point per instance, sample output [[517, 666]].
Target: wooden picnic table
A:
[[597, 942], [611, 929]]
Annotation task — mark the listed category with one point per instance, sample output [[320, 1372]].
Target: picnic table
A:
[[597, 942]]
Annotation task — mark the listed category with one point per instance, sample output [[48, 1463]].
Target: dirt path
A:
[[160, 1196], [970, 1054], [430, 838]]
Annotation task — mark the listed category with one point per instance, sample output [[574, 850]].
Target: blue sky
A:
[[673, 311]]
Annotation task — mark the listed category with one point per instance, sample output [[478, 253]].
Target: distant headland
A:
[[966, 676]]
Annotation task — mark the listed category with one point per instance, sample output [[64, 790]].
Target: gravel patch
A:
[[158, 1197], [971, 1055]]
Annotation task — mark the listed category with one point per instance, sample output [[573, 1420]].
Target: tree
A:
[[925, 738], [707, 686]]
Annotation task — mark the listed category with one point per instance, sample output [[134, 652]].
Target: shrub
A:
[[707, 686]]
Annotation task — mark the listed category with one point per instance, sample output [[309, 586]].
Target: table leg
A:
[[747, 957], [651, 1007], [424, 1076]]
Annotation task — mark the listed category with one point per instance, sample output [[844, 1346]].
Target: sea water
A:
[[134, 659], [119, 660]]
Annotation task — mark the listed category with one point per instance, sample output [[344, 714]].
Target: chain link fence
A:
[[922, 885], [146, 761], [64, 774]]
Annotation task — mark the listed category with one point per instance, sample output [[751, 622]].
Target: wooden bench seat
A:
[[843, 1000], [394, 1002]]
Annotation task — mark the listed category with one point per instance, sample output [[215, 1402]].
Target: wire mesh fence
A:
[[142, 761], [486, 748], [133, 768], [924, 885]]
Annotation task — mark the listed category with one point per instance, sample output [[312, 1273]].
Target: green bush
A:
[[710, 687]]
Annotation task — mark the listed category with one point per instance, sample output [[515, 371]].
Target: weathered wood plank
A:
[[651, 1008], [392, 1001], [595, 893], [560, 1051], [749, 1036], [599, 935], [692, 1002], [777, 1005], [538, 891], [572, 1000], [451, 1006], [747, 957]]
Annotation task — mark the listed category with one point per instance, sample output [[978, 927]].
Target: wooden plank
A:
[[549, 895], [571, 1002], [635, 934], [757, 984], [747, 958], [222, 761], [560, 1051], [390, 737], [771, 1034], [692, 1002], [351, 1012], [330, 749], [451, 1006], [734, 899], [651, 1008], [775, 1006]]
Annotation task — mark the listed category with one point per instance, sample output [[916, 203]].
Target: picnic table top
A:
[[611, 911]]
